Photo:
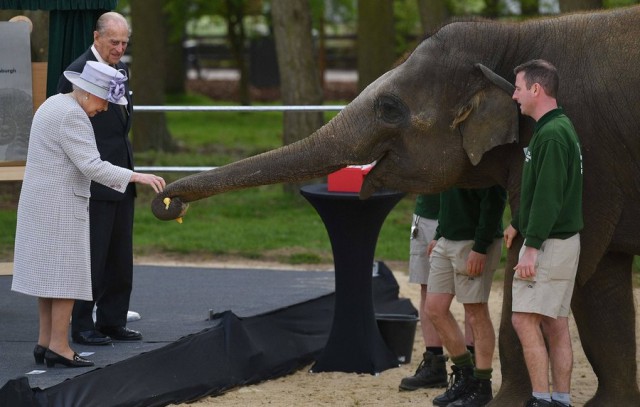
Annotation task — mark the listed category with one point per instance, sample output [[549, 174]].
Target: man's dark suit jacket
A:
[[111, 129]]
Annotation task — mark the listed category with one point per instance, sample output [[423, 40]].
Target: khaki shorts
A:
[[449, 271], [418, 245], [549, 292]]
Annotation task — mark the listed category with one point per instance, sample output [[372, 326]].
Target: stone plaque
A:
[[16, 94]]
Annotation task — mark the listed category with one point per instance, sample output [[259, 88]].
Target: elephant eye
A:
[[391, 110]]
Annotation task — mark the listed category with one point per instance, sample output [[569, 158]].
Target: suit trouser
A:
[[111, 235]]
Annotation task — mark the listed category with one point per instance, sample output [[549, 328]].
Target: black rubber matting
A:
[[205, 331]]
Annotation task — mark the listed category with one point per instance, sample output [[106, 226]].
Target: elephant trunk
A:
[[317, 155]]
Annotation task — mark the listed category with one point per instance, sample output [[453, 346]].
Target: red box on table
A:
[[348, 179]]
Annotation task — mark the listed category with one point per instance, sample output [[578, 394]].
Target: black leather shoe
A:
[[534, 402], [51, 358], [121, 333], [38, 354], [91, 337]]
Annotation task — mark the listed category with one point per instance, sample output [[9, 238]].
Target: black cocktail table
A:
[[353, 225]]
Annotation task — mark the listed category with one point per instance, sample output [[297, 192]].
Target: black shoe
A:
[[91, 337], [38, 354], [478, 394], [556, 403], [121, 333], [458, 383], [535, 402], [52, 358], [431, 373]]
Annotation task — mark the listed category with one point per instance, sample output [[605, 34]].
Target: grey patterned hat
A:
[[100, 80]]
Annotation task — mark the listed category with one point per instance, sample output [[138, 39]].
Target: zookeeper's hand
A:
[[526, 267], [475, 263], [509, 234], [432, 244]]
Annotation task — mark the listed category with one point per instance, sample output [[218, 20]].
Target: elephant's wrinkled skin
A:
[[442, 119]]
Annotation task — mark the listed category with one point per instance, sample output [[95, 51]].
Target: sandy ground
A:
[[348, 389]]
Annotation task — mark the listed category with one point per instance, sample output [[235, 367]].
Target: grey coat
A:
[[52, 252]]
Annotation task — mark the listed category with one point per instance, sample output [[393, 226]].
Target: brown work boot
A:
[[431, 373]]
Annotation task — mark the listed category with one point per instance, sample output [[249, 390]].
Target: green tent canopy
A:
[[58, 4], [71, 25]]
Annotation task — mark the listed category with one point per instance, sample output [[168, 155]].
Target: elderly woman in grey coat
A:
[[52, 252]]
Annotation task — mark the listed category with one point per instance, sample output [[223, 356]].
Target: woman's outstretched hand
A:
[[156, 182]]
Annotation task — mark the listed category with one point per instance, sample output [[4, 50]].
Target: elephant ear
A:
[[490, 118]]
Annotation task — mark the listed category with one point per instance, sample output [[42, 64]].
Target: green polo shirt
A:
[[551, 190], [428, 206], [472, 214]]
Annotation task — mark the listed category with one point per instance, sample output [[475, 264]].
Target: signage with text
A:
[[16, 92]]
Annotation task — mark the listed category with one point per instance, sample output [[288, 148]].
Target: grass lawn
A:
[[257, 223], [262, 223]]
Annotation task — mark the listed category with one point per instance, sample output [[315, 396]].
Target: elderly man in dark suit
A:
[[111, 214]]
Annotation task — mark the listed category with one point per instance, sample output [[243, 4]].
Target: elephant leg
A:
[[604, 310], [516, 386]]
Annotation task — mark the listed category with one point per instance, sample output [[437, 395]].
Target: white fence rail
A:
[[305, 108]]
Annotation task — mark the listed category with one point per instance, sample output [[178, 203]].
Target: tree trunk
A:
[[237, 37], [148, 72], [176, 73], [176, 20], [492, 8], [567, 6], [529, 7], [376, 40], [433, 13], [300, 77]]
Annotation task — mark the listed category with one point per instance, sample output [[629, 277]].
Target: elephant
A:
[[445, 117]]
